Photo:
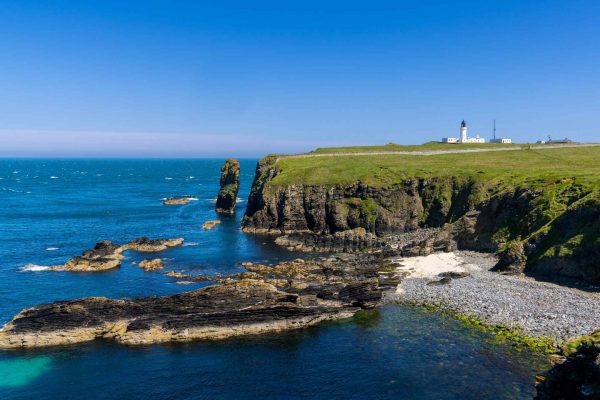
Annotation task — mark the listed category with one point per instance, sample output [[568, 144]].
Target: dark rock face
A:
[[577, 377], [520, 223], [266, 298], [229, 183]]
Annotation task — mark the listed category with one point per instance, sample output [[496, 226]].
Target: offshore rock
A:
[[106, 255], [145, 245], [210, 224], [229, 186], [171, 201], [289, 295], [152, 265]]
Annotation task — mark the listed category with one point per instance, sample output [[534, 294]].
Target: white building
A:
[[501, 140], [464, 137]]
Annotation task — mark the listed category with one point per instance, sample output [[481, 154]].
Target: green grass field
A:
[[526, 165], [429, 146]]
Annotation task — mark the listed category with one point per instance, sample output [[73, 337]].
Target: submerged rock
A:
[[288, 295], [177, 201], [152, 265], [229, 185]]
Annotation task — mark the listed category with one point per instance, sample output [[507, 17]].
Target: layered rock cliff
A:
[[549, 227], [229, 186]]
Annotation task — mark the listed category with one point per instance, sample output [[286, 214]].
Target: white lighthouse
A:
[[463, 132], [464, 137]]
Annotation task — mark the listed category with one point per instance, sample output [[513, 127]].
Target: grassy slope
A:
[[521, 166]]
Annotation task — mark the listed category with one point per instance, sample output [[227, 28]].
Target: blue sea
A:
[[51, 210]]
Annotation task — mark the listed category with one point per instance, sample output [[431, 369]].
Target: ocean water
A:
[[51, 210]]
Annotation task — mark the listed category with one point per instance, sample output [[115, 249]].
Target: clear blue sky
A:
[[200, 78]]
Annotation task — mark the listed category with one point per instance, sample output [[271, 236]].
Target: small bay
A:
[[400, 353]]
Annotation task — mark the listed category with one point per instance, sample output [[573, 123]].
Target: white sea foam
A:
[[190, 244], [33, 267], [52, 248], [54, 177], [15, 172], [167, 178]]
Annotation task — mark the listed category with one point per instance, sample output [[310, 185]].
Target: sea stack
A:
[[230, 183]]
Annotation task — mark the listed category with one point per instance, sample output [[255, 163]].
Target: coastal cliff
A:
[[541, 222]]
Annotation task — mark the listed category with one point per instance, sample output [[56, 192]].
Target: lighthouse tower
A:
[[463, 132]]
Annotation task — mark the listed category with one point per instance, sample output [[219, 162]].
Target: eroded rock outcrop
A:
[[266, 298], [229, 186], [107, 255], [145, 245], [548, 229]]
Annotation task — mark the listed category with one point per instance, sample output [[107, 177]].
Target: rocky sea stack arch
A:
[[229, 186]]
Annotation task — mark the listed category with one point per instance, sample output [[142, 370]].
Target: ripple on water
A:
[[15, 372]]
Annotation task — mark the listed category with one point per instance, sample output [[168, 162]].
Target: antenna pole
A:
[[494, 129]]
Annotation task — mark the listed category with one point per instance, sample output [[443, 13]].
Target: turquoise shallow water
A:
[[51, 210]]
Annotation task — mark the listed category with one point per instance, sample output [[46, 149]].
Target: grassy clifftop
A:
[[518, 166], [539, 208], [429, 146]]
